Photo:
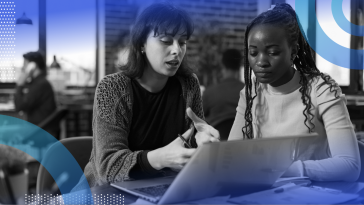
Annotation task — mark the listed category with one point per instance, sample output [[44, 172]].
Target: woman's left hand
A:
[[205, 132]]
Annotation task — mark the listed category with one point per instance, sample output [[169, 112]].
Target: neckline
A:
[[147, 91], [289, 87]]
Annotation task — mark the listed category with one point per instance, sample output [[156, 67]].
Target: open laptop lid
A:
[[234, 168]]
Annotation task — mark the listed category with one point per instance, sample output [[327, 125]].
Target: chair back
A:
[[79, 147]]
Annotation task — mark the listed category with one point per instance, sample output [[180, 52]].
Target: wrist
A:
[[154, 159]]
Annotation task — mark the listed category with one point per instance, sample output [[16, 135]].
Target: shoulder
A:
[[114, 80], [112, 91], [326, 89], [189, 82], [43, 83], [192, 79], [112, 88], [116, 83]]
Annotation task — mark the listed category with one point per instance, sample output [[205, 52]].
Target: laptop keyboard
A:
[[155, 191]]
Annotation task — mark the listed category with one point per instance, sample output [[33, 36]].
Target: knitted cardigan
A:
[[111, 160]]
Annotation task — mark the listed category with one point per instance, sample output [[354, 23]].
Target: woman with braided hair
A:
[[289, 96]]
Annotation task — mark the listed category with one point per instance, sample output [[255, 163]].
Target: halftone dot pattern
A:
[[7, 41], [55, 199]]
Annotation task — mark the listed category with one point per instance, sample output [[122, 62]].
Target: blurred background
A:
[[84, 40]]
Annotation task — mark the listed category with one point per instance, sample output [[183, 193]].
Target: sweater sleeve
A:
[[344, 164], [239, 122], [196, 105], [197, 98], [111, 121]]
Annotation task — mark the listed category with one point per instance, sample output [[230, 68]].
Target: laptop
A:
[[222, 168]]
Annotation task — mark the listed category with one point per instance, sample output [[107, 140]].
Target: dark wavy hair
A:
[[158, 18], [284, 16]]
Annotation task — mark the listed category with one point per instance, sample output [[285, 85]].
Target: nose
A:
[[176, 48], [262, 61]]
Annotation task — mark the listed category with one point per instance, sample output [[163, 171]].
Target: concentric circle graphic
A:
[[342, 21], [328, 47]]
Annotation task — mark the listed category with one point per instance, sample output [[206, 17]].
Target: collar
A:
[[289, 87]]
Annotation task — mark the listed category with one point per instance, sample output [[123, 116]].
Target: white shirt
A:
[[278, 111]]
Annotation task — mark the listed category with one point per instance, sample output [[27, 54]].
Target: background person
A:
[[220, 100], [34, 95]]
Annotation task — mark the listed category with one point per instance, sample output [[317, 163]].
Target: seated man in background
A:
[[220, 101], [34, 95]]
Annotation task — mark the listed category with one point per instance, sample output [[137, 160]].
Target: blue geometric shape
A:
[[342, 21], [11, 128], [328, 47]]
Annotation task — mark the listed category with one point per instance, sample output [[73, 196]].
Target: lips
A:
[[173, 62], [263, 74]]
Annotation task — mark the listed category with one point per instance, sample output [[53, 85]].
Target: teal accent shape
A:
[[13, 128]]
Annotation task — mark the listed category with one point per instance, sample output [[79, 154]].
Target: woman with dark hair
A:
[[290, 96], [139, 112]]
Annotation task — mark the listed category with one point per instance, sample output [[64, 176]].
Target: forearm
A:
[[332, 169], [113, 159], [344, 164]]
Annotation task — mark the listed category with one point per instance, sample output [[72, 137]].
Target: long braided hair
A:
[[283, 15]]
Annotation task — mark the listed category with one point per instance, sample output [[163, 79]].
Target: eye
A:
[[253, 53], [182, 43], [273, 53], [166, 40]]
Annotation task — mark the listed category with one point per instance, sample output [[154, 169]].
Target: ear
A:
[[294, 50]]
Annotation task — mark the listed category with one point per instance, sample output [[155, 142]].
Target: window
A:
[[71, 37]]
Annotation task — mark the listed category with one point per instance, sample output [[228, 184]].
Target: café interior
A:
[[82, 41]]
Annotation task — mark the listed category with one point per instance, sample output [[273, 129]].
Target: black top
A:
[[158, 118]]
